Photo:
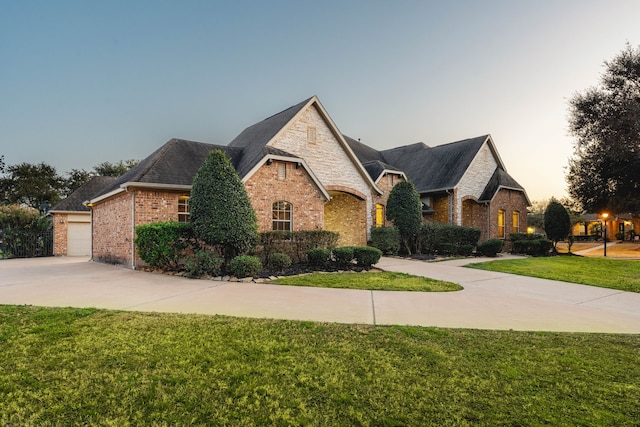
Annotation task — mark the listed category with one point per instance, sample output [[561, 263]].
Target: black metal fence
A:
[[25, 243]]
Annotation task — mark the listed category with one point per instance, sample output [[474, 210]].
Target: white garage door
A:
[[79, 239]]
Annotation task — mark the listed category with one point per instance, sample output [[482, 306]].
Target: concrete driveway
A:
[[489, 301]]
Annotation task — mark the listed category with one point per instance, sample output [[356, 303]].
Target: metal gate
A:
[[25, 243]]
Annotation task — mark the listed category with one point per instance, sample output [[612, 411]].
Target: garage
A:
[[78, 238]]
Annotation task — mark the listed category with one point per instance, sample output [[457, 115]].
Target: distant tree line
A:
[[37, 185]]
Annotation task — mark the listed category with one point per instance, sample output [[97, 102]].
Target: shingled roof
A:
[[431, 169], [499, 179], [75, 201], [435, 168], [175, 163]]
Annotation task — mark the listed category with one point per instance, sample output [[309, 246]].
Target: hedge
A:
[[296, 244], [163, 244]]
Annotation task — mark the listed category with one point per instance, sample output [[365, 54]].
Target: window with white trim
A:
[[183, 209], [281, 216], [515, 220], [501, 225]]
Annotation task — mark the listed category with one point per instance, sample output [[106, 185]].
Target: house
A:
[[72, 219], [623, 225], [302, 173]]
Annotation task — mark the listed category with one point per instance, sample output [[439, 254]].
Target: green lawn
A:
[[606, 273], [95, 367], [385, 281]]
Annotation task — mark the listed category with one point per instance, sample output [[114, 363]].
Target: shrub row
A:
[[163, 244], [530, 244], [433, 239], [295, 244], [345, 256]]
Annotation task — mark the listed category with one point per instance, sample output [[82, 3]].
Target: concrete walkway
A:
[[489, 301]]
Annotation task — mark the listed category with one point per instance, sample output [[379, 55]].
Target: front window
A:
[[379, 215], [183, 209], [516, 222], [501, 229], [281, 214]]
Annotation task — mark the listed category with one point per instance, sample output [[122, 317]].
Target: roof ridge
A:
[[160, 153], [289, 108]]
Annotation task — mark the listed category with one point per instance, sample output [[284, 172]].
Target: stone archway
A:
[[346, 214]]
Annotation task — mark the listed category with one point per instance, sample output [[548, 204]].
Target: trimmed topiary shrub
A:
[[221, 212], [404, 209], [366, 256], [162, 244], [279, 262], [318, 257], [245, 266], [343, 256], [386, 239], [491, 247], [202, 262]]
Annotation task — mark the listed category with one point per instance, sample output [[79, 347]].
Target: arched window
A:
[[379, 215], [281, 216]]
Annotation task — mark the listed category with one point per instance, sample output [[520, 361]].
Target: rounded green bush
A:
[[318, 257], [245, 266], [279, 261], [490, 247], [203, 262], [343, 255], [366, 256]]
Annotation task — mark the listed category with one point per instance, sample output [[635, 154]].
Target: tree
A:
[[604, 171], [557, 223], [114, 169], [221, 212], [404, 209], [31, 185], [74, 180]]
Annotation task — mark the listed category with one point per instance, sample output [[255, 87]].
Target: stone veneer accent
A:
[[264, 188], [475, 179], [347, 215], [326, 157]]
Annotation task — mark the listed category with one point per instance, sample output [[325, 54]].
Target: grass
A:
[[90, 367], [385, 281], [618, 274]]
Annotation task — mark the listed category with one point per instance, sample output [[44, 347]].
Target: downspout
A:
[[488, 206], [133, 230]]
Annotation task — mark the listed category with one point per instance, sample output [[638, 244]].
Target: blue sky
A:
[[82, 82]]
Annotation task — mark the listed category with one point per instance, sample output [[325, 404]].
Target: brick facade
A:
[[385, 183], [113, 244], [510, 201], [60, 230], [265, 187]]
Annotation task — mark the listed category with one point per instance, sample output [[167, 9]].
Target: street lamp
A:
[[605, 216]]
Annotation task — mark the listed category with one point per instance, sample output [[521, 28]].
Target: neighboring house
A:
[[301, 173], [627, 224], [72, 219]]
